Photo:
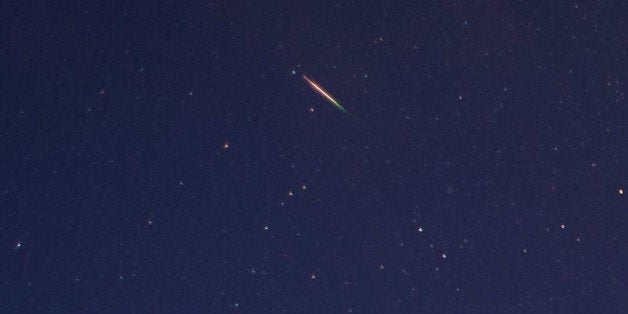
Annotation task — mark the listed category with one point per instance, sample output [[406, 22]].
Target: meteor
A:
[[324, 93]]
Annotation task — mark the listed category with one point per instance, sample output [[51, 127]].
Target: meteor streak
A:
[[324, 93]]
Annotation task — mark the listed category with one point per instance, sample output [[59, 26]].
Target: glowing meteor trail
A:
[[324, 93]]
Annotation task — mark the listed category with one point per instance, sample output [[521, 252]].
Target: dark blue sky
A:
[[165, 158]]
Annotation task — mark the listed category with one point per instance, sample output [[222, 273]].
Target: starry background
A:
[[169, 158]]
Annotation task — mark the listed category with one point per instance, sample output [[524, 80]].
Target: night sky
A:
[[170, 158]]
